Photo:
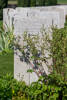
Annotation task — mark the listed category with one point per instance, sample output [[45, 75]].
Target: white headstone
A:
[[31, 20]]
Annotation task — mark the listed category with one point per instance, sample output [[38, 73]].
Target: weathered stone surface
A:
[[54, 15], [20, 70], [30, 25], [55, 9], [64, 7], [32, 20]]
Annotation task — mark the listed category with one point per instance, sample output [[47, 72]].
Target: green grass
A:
[[59, 2], [1, 23], [62, 1], [7, 64], [6, 61], [12, 2]]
